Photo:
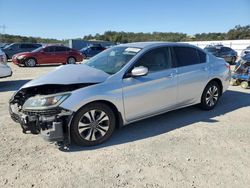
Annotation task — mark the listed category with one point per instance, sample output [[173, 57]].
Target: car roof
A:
[[155, 44]]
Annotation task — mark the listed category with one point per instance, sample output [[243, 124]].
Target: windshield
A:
[[37, 49], [113, 59], [83, 49]]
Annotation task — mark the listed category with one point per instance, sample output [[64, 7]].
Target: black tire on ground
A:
[[234, 82], [30, 62], [86, 132], [208, 100], [71, 60]]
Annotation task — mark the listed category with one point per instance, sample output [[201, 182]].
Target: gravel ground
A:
[[183, 148]]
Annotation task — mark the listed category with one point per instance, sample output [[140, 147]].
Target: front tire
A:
[[210, 96], [30, 62], [93, 124]]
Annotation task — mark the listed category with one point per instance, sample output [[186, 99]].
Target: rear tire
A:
[[71, 60], [234, 82], [93, 124], [210, 96]]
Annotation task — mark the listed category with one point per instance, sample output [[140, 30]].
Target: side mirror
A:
[[139, 71]]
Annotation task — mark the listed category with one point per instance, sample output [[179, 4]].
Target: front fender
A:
[[111, 92]]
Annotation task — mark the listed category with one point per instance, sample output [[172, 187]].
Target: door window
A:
[[26, 46], [49, 49], [156, 60], [60, 49]]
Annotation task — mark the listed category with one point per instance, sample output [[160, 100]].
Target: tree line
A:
[[238, 32]]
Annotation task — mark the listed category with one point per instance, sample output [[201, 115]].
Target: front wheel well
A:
[[118, 116]]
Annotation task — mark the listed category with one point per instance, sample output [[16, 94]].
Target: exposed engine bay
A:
[[51, 121]]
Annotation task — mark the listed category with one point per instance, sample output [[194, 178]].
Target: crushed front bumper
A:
[[52, 124]]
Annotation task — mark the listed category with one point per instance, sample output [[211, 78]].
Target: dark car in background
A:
[[3, 45], [92, 50], [245, 51], [221, 51], [53, 54], [15, 48]]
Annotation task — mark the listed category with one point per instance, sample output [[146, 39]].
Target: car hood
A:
[[70, 74], [23, 53]]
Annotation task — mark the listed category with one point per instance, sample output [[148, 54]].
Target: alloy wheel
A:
[[30, 63], [93, 125], [212, 96], [71, 60]]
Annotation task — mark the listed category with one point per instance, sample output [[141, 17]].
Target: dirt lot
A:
[[184, 148]]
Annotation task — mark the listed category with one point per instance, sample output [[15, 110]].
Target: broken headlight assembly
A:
[[41, 102]]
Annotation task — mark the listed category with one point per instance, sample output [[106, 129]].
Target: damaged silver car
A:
[[123, 84]]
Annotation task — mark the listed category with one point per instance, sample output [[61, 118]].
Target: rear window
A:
[[186, 56]]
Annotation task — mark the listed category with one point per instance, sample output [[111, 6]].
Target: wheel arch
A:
[[218, 81], [30, 57], [118, 115]]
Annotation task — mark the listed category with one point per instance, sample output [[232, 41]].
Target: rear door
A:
[[154, 92], [193, 73], [61, 54]]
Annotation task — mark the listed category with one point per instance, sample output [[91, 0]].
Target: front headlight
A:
[[45, 102], [20, 57]]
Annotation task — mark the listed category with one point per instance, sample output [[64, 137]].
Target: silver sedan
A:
[[121, 85]]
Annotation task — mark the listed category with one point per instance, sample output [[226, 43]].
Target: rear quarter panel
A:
[[219, 70]]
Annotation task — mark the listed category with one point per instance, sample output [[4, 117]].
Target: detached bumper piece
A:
[[52, 124]]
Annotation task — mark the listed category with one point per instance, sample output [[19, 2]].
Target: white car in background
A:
[[5, 70]]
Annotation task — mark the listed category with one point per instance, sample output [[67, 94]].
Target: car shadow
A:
[[12, 85], [161, 124]]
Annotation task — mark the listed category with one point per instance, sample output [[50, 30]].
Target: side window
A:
[[202, 56], [49, 49], [24, 46], [186, 56], [60, 49], [156, 59], [14, 46]]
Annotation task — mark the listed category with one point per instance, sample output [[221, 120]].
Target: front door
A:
[[147, 95]]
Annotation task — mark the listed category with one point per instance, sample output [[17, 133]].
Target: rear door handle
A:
[[205, 68], [171, 75]]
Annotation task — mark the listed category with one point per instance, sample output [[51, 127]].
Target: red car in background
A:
[[48, 55]]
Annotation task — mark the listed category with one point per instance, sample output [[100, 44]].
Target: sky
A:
[[66, 19]]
